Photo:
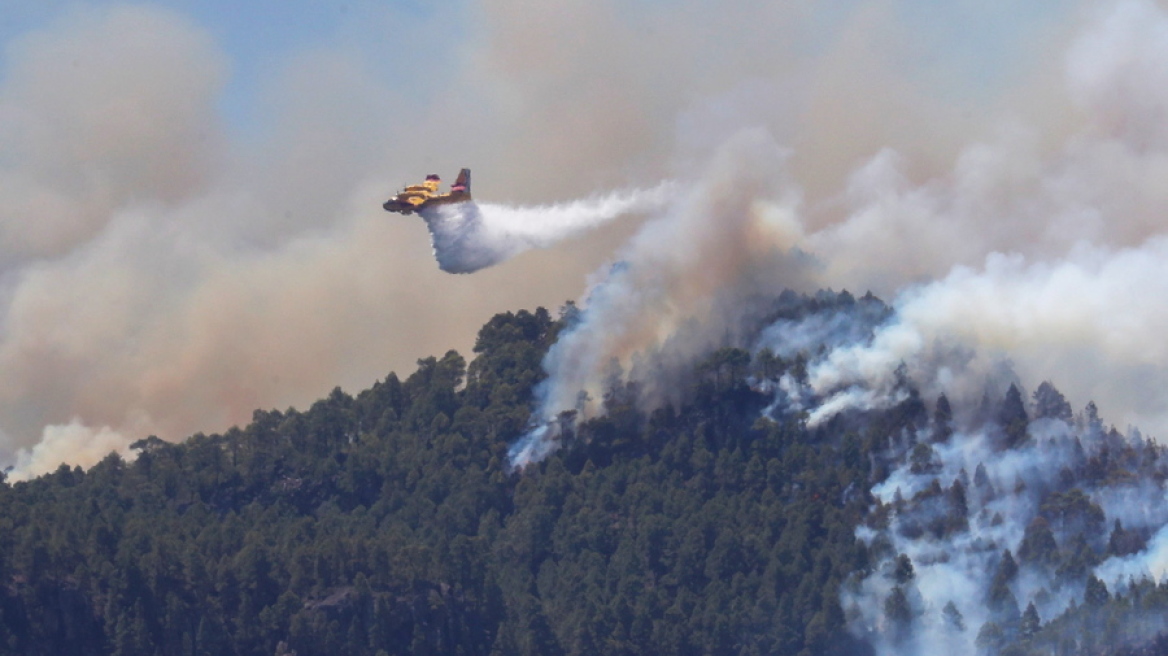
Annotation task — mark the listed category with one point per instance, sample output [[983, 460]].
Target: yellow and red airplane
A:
[[420, 196]]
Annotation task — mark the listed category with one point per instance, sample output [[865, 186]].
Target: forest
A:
[[389, 522]]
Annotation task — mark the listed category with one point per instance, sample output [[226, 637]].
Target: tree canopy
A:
[[389, 522]]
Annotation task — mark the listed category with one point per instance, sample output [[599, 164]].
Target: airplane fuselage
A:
[[420, 196]]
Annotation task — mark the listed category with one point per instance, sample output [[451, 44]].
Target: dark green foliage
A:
[[1096, 594], [387, 523], [1001, 601], [942, 420], [1038, 544], [923, 460], [1031, 622], [898, 612], [990, 637], [1012, 418], [1124, 542], [1129, 622], [903, 572], [1072, 513], [1061, 548], [1049, 403]]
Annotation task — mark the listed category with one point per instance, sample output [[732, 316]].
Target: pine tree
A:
[[1049, 403], [953, 617], [1031, 623], [1013, 419], [1096, 594], [942, 420], [898, 612], [1038, 544]]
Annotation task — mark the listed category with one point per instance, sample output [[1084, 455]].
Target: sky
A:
[[190, 222]]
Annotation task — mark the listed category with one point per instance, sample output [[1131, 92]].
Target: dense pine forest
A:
[[389, 522]]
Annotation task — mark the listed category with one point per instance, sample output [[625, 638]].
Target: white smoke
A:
[[69, 443], [954, 498], [682, 283], [1086, 320], [1045, 265], [159, 274], [1027, 260], [1151, 563], [165, 270], [471, 236], [1043, 256], [955, 551], [1047, 260]]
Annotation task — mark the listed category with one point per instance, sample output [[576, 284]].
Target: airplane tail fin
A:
[[462, 183]]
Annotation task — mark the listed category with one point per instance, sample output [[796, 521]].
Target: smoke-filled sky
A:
[[190, 220]]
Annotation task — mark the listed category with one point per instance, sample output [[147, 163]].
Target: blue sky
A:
[[236, 155], [262, 38], [979, 42]]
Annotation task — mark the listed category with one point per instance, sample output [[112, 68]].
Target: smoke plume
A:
[[162, 274], [190, 213], [1027, 259], [684, 282], [1042, 254], [968, 534]]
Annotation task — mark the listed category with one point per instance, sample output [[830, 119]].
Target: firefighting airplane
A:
[[420, 196]]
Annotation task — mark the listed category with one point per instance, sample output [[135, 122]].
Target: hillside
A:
[[389, 523]]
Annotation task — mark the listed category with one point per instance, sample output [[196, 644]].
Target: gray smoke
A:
[[1032, 256], [1023, 251], [188, 236], [679, 285], [955, 547], [954, 494]]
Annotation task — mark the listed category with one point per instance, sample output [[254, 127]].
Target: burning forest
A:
[[712, 449]]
